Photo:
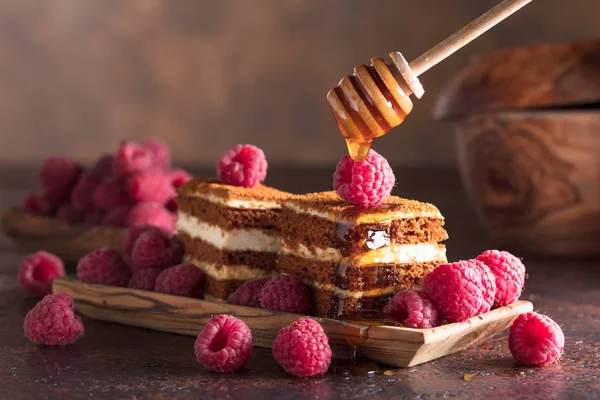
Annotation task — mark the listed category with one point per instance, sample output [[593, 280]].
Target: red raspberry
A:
[[153, 186], [152, 214], [103, 266], [155, 249], [488, 284], [37, 272], [455, 289], [131, 158], [118, 216], [224, 345], [243, 165], [178, 177], [144, 279], [81, 196], [287, 294], [68, 213], [509, 272], [248, 294], [110, 193], [302, 348], [104, 166], [37, 205], [536, 340], [412, 309], [133, 232], [52, 322], [57, 177], [94, 217], [161, 155], [366, 183], [181, 280]]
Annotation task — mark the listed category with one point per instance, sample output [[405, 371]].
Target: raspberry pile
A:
[[134, 186]]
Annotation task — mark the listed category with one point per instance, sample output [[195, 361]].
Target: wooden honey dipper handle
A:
[[467, 34]]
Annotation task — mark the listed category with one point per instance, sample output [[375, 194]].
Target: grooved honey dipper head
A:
[[372, 101]]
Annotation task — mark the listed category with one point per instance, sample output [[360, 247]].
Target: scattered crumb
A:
[[388, 372], [468, 377], [521, 373]]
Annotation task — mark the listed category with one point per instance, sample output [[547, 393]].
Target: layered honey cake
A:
[[229, 232], [356, 259]]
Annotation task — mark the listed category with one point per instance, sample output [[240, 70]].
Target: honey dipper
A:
[[375, 98]]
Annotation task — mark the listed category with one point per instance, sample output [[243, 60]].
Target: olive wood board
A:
[[390, 345]]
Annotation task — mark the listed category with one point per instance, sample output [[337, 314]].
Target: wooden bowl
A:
[[527, 125], [69, 242]]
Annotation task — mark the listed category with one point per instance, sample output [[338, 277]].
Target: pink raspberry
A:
[[37, 272], [161, 155], [133, 232], [248, 294], [153, 186], [144, 279], [181, 280], [52, 322], [110, 193], [536, 340], [155, 249], [104, 166], [94, 217], [366, 183], [152, 214], [103, 266], [178, 177], [488, 284], [412, 309], [287, 294], [131, 158], [302, 348], [224, 345], [57, 177], [455, 289], [118, 216], [509, 272], [243, 165], [37, 205], [68, 213], [81, 196]]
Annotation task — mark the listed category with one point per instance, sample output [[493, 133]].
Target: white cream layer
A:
[[232, 240], [238, 203], [228, 272]]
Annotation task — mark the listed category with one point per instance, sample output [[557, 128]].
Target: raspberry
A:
[[37, 272], [181, 280], [153, 186], [302, 348], [37, 205], [103, 266], [57, 177], [118, 216], [144, 279], [81, 196], [287, 294], [131, 158], [155, 249], [412, 309], [535, 340], [243, 165], [178, 177], [366, 183], [161, 155], [104, 166], [152, 214], [135, 231], [94, 217], [455, 289], [110, 193], [509, 272], [248, 294], [224, 345], [52, 322], [488, 284], [68, 213]]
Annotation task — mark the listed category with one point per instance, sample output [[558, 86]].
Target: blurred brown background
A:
[[78, 76]]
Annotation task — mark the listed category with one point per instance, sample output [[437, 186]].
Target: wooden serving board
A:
[[390, 345]]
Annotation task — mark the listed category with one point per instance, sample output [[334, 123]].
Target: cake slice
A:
[[356, 259], [229, 232]]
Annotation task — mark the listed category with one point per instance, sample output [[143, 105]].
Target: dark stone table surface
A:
[[115, 361]]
